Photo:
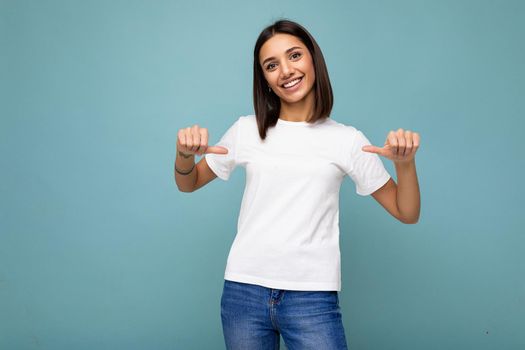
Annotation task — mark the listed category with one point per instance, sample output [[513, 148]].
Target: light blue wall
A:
[[98, 248]]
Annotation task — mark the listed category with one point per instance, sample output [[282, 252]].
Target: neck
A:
[[299, 111]]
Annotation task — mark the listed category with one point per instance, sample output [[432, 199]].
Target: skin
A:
[[284, 67], [401, 200]]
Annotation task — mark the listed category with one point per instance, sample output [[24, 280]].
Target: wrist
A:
[[184, 172], [406, 163]]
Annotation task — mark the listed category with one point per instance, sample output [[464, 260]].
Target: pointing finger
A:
[[372, 149], [217, 150]]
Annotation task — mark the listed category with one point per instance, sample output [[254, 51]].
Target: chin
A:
[[292, 100]]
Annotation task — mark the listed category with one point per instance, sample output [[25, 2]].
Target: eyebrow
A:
[[287, 51]]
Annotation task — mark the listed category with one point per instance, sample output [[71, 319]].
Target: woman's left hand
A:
[[400, 146]]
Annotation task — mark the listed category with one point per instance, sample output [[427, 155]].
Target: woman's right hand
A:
[[194, 140]]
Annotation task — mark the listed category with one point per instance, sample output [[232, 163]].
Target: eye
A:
[[296, 53], [293, 55]]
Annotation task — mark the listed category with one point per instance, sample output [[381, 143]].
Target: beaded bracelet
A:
[[185, 173]]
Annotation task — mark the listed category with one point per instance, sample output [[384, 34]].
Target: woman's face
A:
[[284, 59]]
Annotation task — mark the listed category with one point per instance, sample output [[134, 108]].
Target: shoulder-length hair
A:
[[267, 104]]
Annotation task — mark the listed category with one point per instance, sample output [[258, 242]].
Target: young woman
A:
[[283, 271]]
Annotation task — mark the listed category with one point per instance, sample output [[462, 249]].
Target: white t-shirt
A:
[[288, 227]]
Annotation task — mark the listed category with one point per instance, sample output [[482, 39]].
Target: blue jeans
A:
[[253, 318]]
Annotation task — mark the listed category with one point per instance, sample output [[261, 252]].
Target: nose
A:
[[286, 69]]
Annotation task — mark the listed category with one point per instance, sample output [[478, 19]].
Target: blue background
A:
[[99, 249]]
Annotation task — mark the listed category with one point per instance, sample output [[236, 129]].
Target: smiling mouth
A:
[[292, 83]]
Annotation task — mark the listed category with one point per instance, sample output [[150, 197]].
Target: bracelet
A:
[[184, 173]]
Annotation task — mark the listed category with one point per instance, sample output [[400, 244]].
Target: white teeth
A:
[[292, 83]]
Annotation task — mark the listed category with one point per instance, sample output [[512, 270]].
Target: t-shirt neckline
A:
[[301, 123]]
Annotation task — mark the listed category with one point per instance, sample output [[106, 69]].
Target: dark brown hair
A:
[[267, 104]]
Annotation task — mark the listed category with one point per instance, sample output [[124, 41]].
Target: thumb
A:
[[216, 150], [372, 149]]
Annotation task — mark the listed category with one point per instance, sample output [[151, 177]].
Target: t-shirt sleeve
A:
[[364, 168], [224, 164]]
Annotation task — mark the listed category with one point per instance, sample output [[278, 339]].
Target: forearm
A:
[[185, 183], [408, 197]]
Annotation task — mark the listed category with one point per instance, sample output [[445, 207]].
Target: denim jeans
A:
[[254, 317]]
